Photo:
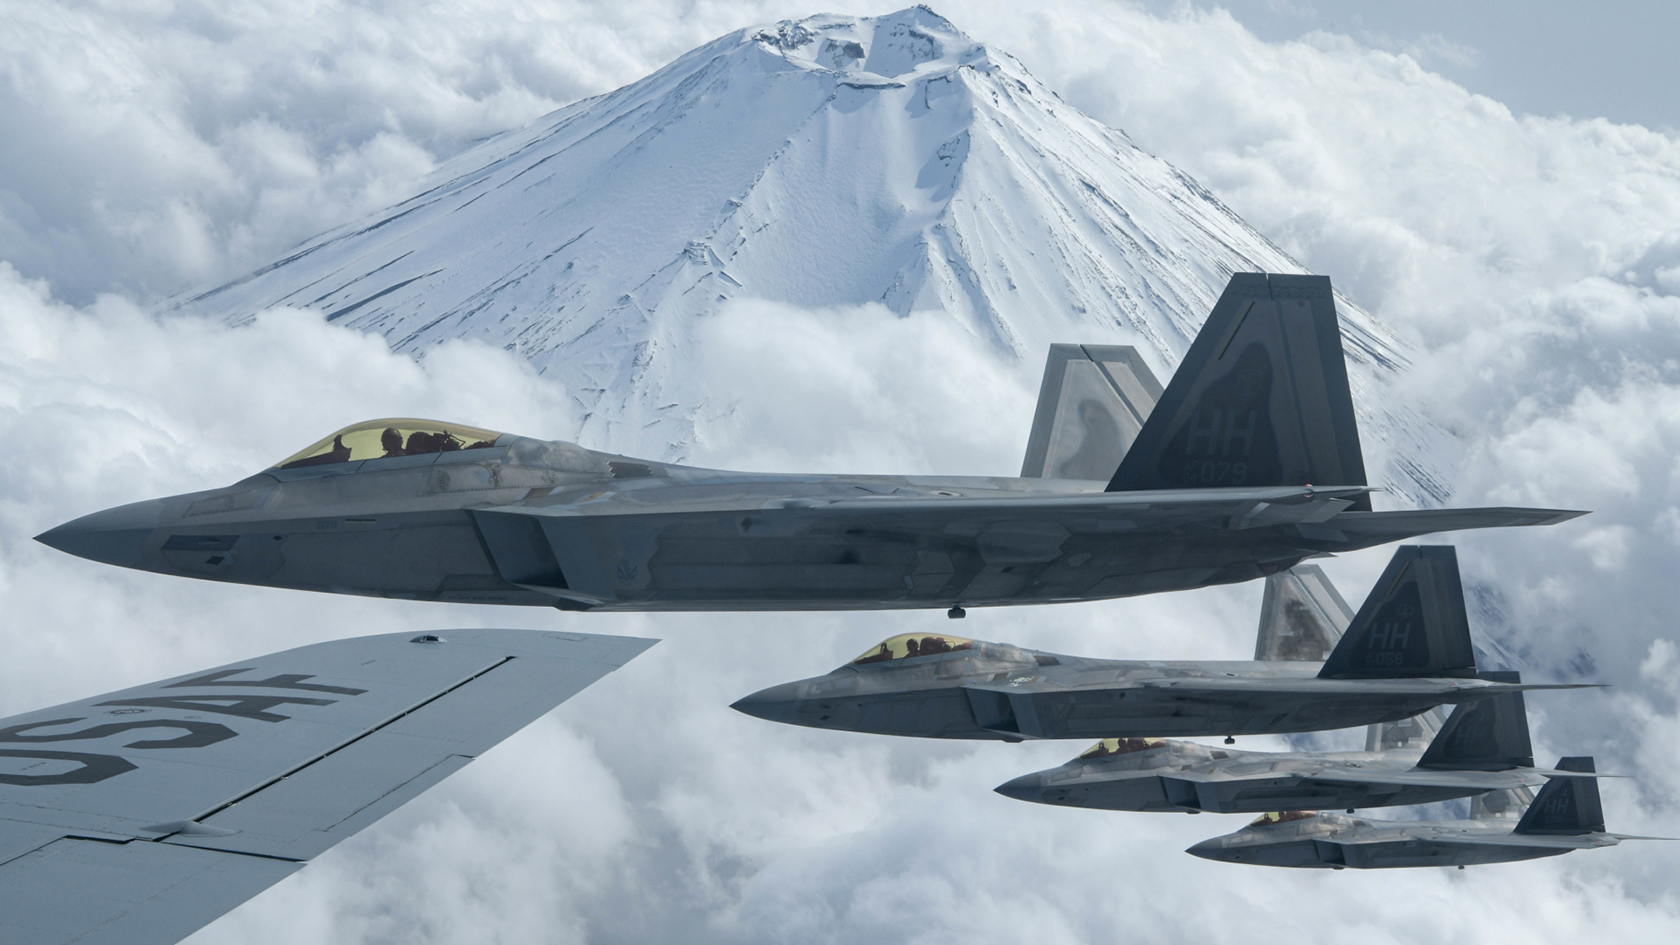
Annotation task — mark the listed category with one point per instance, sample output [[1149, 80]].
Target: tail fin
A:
[[1487, 735], [1566, 805], [1413, 624], [1261, 398], [1091, 405], [1508, 804], [1301, 616]]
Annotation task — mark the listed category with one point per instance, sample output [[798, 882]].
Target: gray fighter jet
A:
[[1407, 650], [1565, 816], [136, 817], [1483, 747], [1249, 462]]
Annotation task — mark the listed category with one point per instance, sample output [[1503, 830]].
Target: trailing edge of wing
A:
[[139, 816]]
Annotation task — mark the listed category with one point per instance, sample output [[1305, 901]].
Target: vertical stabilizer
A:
[[1261, 398], [1412, 624], [1508, 804], [1566, 805], [1093, 401], [1486, 735], [1301, 616]]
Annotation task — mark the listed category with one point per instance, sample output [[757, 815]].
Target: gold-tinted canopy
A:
[[906, 645], [1121, 746], [393, 436], [1283, 817]]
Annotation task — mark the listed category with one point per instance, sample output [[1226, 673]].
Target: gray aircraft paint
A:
[[1093, 401], [952, 687], [1564, 817], [1260, 398], [136, 817], [526, 521], [1484, 747]]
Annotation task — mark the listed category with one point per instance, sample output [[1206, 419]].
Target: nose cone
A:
[[1027, 787], [1212, 849], [776, 704], [114, 536]]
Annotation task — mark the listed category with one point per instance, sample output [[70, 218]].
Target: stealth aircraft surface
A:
[[1247, 463], [1407, 650], [1565, 816], [1482, 750], [1483, 747], [136, 817]]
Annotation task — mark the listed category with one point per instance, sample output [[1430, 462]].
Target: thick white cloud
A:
[[143, 148]]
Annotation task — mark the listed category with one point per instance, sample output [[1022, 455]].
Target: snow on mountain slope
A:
[[831, 161]]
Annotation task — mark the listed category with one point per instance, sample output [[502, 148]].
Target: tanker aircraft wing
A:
[[137, 817]]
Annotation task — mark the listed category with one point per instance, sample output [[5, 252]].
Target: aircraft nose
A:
[[114, 536], [1027, 787], [1212, 849], [775, 704]]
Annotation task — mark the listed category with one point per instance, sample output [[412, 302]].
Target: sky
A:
[[1527, 241]]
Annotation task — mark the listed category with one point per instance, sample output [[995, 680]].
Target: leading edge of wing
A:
[[180, 823]]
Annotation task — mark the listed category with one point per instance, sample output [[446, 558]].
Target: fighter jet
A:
[[136, 817], [1483, 747], [1407, 650], [1248, 462], [1565, 816]]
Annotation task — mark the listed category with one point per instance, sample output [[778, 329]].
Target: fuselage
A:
[[1334, 841], [533, 522], [982, 690], [1166, 775]]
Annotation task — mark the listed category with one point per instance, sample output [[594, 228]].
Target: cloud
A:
[[1534, 260], [855, 389]]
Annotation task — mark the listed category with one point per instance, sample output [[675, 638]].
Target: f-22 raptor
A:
[[1248, 462], [1483, 750], [1406, 651], [1564, 817]]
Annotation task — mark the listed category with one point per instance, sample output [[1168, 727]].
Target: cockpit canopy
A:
[[383, 439], [906, 645], [1283, 817], [1121, 746]]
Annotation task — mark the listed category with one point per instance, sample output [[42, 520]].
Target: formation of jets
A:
[[181, 799]]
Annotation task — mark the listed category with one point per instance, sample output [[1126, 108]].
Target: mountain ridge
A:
[[832, 160]]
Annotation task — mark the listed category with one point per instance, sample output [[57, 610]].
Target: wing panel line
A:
[[347, 743]]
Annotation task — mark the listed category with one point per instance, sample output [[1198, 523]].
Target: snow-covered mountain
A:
[[828, 161]]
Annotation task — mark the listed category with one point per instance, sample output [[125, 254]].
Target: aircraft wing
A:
[[1450, 689], [139, 816], [1279, 503], [1420, 777]]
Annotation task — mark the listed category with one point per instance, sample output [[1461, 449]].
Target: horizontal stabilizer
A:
[[1092, 403], [1414, 522], [1261, 397], [1412, 624]]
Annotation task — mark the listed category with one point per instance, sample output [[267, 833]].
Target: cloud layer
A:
[[1533, 259]]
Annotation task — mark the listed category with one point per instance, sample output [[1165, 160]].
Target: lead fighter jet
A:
[[1407, 650], [1247, 463]]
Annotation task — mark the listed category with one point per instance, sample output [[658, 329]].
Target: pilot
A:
[[392, 441]]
